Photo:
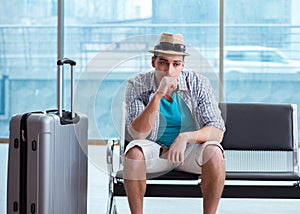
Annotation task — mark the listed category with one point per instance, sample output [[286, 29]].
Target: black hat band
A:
[[166, 46]]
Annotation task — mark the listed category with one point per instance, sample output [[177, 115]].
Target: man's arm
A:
[[207, 133], [142, 125]]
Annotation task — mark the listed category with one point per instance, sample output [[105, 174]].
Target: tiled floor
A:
[[97, 195]]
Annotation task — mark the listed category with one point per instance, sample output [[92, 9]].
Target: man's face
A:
[[167, 65]]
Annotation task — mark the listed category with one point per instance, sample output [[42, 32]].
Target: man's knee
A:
[[135, 153], [134, 164], [213, 154]]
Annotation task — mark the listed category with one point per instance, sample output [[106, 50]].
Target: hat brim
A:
[[169, 52]]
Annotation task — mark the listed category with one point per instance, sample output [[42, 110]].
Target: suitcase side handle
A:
[[60, 63]]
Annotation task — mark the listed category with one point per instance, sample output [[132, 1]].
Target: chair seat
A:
[[258, 176], [172, 175], [263, 176]]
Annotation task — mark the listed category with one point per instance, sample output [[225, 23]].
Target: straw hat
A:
[[170, 44]]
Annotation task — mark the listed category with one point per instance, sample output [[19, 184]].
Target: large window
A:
[[28, 52], [109, 41], [261, 51]]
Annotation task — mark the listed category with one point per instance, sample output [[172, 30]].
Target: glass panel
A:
[[28, 53], [110, 40], [261, 52]]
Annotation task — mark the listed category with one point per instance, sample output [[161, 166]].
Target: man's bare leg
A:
[[212, 178], [135, 179]]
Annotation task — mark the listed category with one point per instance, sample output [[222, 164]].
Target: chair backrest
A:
[[125, 137], [251, 126], [260, 137], [259, 126]]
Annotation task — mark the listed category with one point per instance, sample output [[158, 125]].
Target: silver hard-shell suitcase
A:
[[47, 163]]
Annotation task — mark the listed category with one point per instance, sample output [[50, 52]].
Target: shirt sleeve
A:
[[137, 96], [209, 111], [134, 103]]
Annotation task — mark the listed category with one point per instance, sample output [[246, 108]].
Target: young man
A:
[[175, 122]]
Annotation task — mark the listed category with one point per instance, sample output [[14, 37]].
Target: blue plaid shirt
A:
[[194, 89]]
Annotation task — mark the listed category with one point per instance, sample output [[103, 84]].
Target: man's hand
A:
[[167, 85], [177, 149]]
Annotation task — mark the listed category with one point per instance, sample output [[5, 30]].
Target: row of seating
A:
[[261, 151]]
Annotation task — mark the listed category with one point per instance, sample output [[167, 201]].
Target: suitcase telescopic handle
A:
[[60, 63], [66, 61]]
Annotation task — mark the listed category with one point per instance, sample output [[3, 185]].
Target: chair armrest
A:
[[110, 154]]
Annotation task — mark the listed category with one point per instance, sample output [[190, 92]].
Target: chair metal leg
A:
[[115, 211], [111, 205]]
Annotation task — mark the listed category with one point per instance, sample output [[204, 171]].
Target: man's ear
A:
[[153, 61]]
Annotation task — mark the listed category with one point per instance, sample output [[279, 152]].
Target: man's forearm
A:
[[142, 125], [207, 133]]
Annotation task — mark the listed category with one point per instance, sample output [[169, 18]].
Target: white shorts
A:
[[193, 157]]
